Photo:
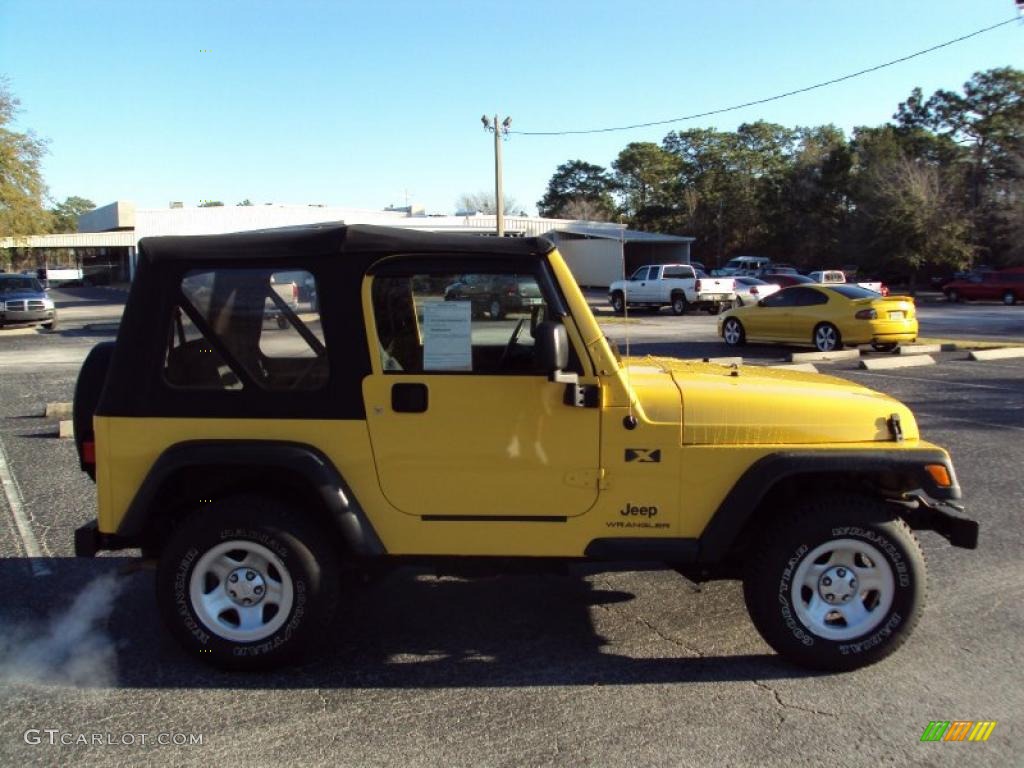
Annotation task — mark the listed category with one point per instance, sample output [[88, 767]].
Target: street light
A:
[[499, 130]]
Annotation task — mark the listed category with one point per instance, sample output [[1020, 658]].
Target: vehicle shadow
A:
[[408, 631]]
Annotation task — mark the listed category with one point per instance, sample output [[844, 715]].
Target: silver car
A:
[[750, 290]]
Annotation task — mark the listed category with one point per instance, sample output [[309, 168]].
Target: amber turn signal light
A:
[[939, 474]]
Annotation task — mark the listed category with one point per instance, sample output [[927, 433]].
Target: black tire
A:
[[679, 305], [953, 295], [295, 565], [618, 303], [496, 310], [807, 623], [733, 332], [826, 338], [52, 325], [1009, 298], [884, 347], [282, 322]]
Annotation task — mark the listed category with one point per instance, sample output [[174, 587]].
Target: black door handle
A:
[[409, 398]]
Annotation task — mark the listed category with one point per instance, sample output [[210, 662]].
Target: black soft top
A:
[[368, 241], [339, 257]]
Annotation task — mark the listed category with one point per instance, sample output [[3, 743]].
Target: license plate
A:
[[896, 315], [715, 297]]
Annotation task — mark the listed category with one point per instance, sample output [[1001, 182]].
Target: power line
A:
[[771, 98]]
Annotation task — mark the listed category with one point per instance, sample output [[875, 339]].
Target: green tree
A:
[[211, 204], [65, 215], [578, 190], [245, 203], [21, 183], [647, 182], [984, 124]]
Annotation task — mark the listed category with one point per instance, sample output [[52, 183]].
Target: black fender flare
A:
[[310, 463], [764, 474]]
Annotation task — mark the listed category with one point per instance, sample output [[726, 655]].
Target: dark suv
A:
[[497, 295]]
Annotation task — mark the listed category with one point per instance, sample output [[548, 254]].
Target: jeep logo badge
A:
[[630, 509]]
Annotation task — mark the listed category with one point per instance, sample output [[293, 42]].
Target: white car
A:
[[750, 290]]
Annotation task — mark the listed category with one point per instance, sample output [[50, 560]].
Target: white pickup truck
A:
[[833, 276], [676, 285]]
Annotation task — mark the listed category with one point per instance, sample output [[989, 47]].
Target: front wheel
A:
[[840, 585], [1009, 298], [826, 338], [247, 583], [618, 302], [953, 295], [733, 332], [678, 305], [886, 347]]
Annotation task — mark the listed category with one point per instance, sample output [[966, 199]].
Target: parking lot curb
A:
[[804, 367], [920, 349], [67, 429], [724, 360], [58, 411], [824, 357], [1001, 353], [882, 363]]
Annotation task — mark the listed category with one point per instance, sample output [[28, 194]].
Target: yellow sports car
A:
[[826, 317]]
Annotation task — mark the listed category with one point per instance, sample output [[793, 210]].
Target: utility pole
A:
[[500, 130]]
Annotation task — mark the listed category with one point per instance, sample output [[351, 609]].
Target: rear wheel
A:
[[1009, 298], [826, 338], [839, 585], [495, 309], [679, 304], [248, 583], [953, 295], [733, 333]]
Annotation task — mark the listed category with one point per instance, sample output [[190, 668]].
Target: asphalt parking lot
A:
[[604, 669]]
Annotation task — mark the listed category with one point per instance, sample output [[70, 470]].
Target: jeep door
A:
[[462, 421]]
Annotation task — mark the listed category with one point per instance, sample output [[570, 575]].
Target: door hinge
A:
[[587, 478]]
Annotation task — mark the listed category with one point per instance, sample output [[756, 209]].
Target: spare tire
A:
[[91, 379]]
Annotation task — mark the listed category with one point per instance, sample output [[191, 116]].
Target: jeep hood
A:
[[724, 405]]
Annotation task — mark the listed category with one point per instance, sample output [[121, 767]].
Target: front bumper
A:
[[943, 517], [32, 316]]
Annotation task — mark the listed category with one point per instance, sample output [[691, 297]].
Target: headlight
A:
[[47, 303]]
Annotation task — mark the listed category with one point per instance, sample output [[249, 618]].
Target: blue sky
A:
[[360, 104]]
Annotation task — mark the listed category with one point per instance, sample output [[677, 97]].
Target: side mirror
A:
[[551, 347]]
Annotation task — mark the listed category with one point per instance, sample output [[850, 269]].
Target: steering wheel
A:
[[507, 354]]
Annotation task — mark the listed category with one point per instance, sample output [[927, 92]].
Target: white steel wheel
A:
[[241, 591], [826, 337], [843, 589], [1009, 299]]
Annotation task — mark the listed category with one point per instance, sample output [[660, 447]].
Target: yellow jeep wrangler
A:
[[256, 447]]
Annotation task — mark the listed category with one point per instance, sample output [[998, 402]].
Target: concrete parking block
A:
[[1000, 353], [881, 363], [67, 428], [824, 357], [58, 411], [919, 349], [724, 360], [804, 367]]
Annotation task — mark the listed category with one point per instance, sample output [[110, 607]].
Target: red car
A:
[[1007, 286]]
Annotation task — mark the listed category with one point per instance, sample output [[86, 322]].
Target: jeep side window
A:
[[261, 325], [433, 323]]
